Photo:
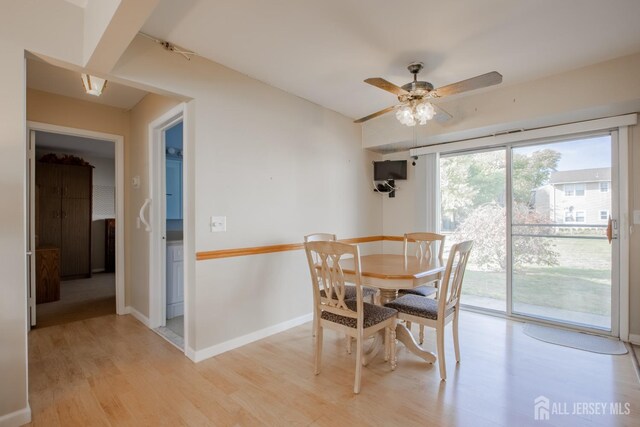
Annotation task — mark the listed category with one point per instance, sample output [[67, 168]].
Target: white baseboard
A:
[[135, 313], [634, 339], [17, 418], [214, 350], [190, 353]]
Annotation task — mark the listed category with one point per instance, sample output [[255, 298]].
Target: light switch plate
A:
[[636, 217], [218, 223]]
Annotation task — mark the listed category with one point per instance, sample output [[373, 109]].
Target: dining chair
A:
[[425, 248], [438, 313], [353, 317], [350, 291]]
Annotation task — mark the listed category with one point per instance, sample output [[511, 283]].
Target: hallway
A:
[[79, 300]]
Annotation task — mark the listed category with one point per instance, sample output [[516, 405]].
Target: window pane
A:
[[568, 189], [473, 208]]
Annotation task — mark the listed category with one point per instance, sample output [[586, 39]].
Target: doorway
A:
[[75, 198], [539, 215], [168, 313]]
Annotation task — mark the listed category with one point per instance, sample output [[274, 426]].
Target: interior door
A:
[[31, 227]]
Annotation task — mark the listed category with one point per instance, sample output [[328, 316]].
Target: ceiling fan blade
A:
[[386, 85], [442, 115], [374, 115], [484, 80]]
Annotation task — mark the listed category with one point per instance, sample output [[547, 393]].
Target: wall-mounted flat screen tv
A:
[[390, 169]]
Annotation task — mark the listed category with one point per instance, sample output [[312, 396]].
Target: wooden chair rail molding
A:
[[227, 253]]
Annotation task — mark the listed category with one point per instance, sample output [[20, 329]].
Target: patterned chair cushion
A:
[[416, 305], [373, 314], [424, 291], [350, 292]]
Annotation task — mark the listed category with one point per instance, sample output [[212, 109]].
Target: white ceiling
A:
[[49, 78], [323, 50], [76, 145]]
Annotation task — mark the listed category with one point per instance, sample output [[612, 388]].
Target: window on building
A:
[[568, 190], [579, 189], [568, 216], [604, 187], [604, 215], [581, 216]]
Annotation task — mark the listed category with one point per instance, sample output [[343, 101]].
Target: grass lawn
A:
[[581, 282]]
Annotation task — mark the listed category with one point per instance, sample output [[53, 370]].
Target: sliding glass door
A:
[[538, 215], [561, 206]]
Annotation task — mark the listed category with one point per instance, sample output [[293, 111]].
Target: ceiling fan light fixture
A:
[[93, 85], [424, 112], [405, 115], [412, 113]]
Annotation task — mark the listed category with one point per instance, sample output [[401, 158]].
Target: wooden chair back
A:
[[425, 245], [451, 284], [320, 237], [327, 275]]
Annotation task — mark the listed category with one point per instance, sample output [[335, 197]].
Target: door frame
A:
[[157, 218], [118, 141]]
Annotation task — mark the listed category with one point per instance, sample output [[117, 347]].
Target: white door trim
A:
[[118, 141], [157, 246]]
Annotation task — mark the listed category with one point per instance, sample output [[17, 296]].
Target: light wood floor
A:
[[113, 371]]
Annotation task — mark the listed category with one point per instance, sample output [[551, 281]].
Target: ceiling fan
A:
[[414, 107]]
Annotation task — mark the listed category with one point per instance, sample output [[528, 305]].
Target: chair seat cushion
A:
[[350, 292], [416, 305], [373, 314], [424, 291]]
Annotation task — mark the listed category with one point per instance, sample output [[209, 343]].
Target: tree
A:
[[486, 227], [472, 180], [473, 202], [531, 171]]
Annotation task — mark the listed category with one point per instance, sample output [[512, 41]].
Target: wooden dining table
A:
[[389, 273]]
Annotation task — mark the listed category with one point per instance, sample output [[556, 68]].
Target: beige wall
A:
[[51, 27], [277, 167], [13, 307], [557, 99], [137, 239], [70, 112]]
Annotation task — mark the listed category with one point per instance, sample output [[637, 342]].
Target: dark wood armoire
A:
[[110, 245], [63, 218]]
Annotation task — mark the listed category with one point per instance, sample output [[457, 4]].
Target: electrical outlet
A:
[[218, 223], [636, 217]]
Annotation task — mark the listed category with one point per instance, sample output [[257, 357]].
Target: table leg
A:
[[405, 337], [388, 295]]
